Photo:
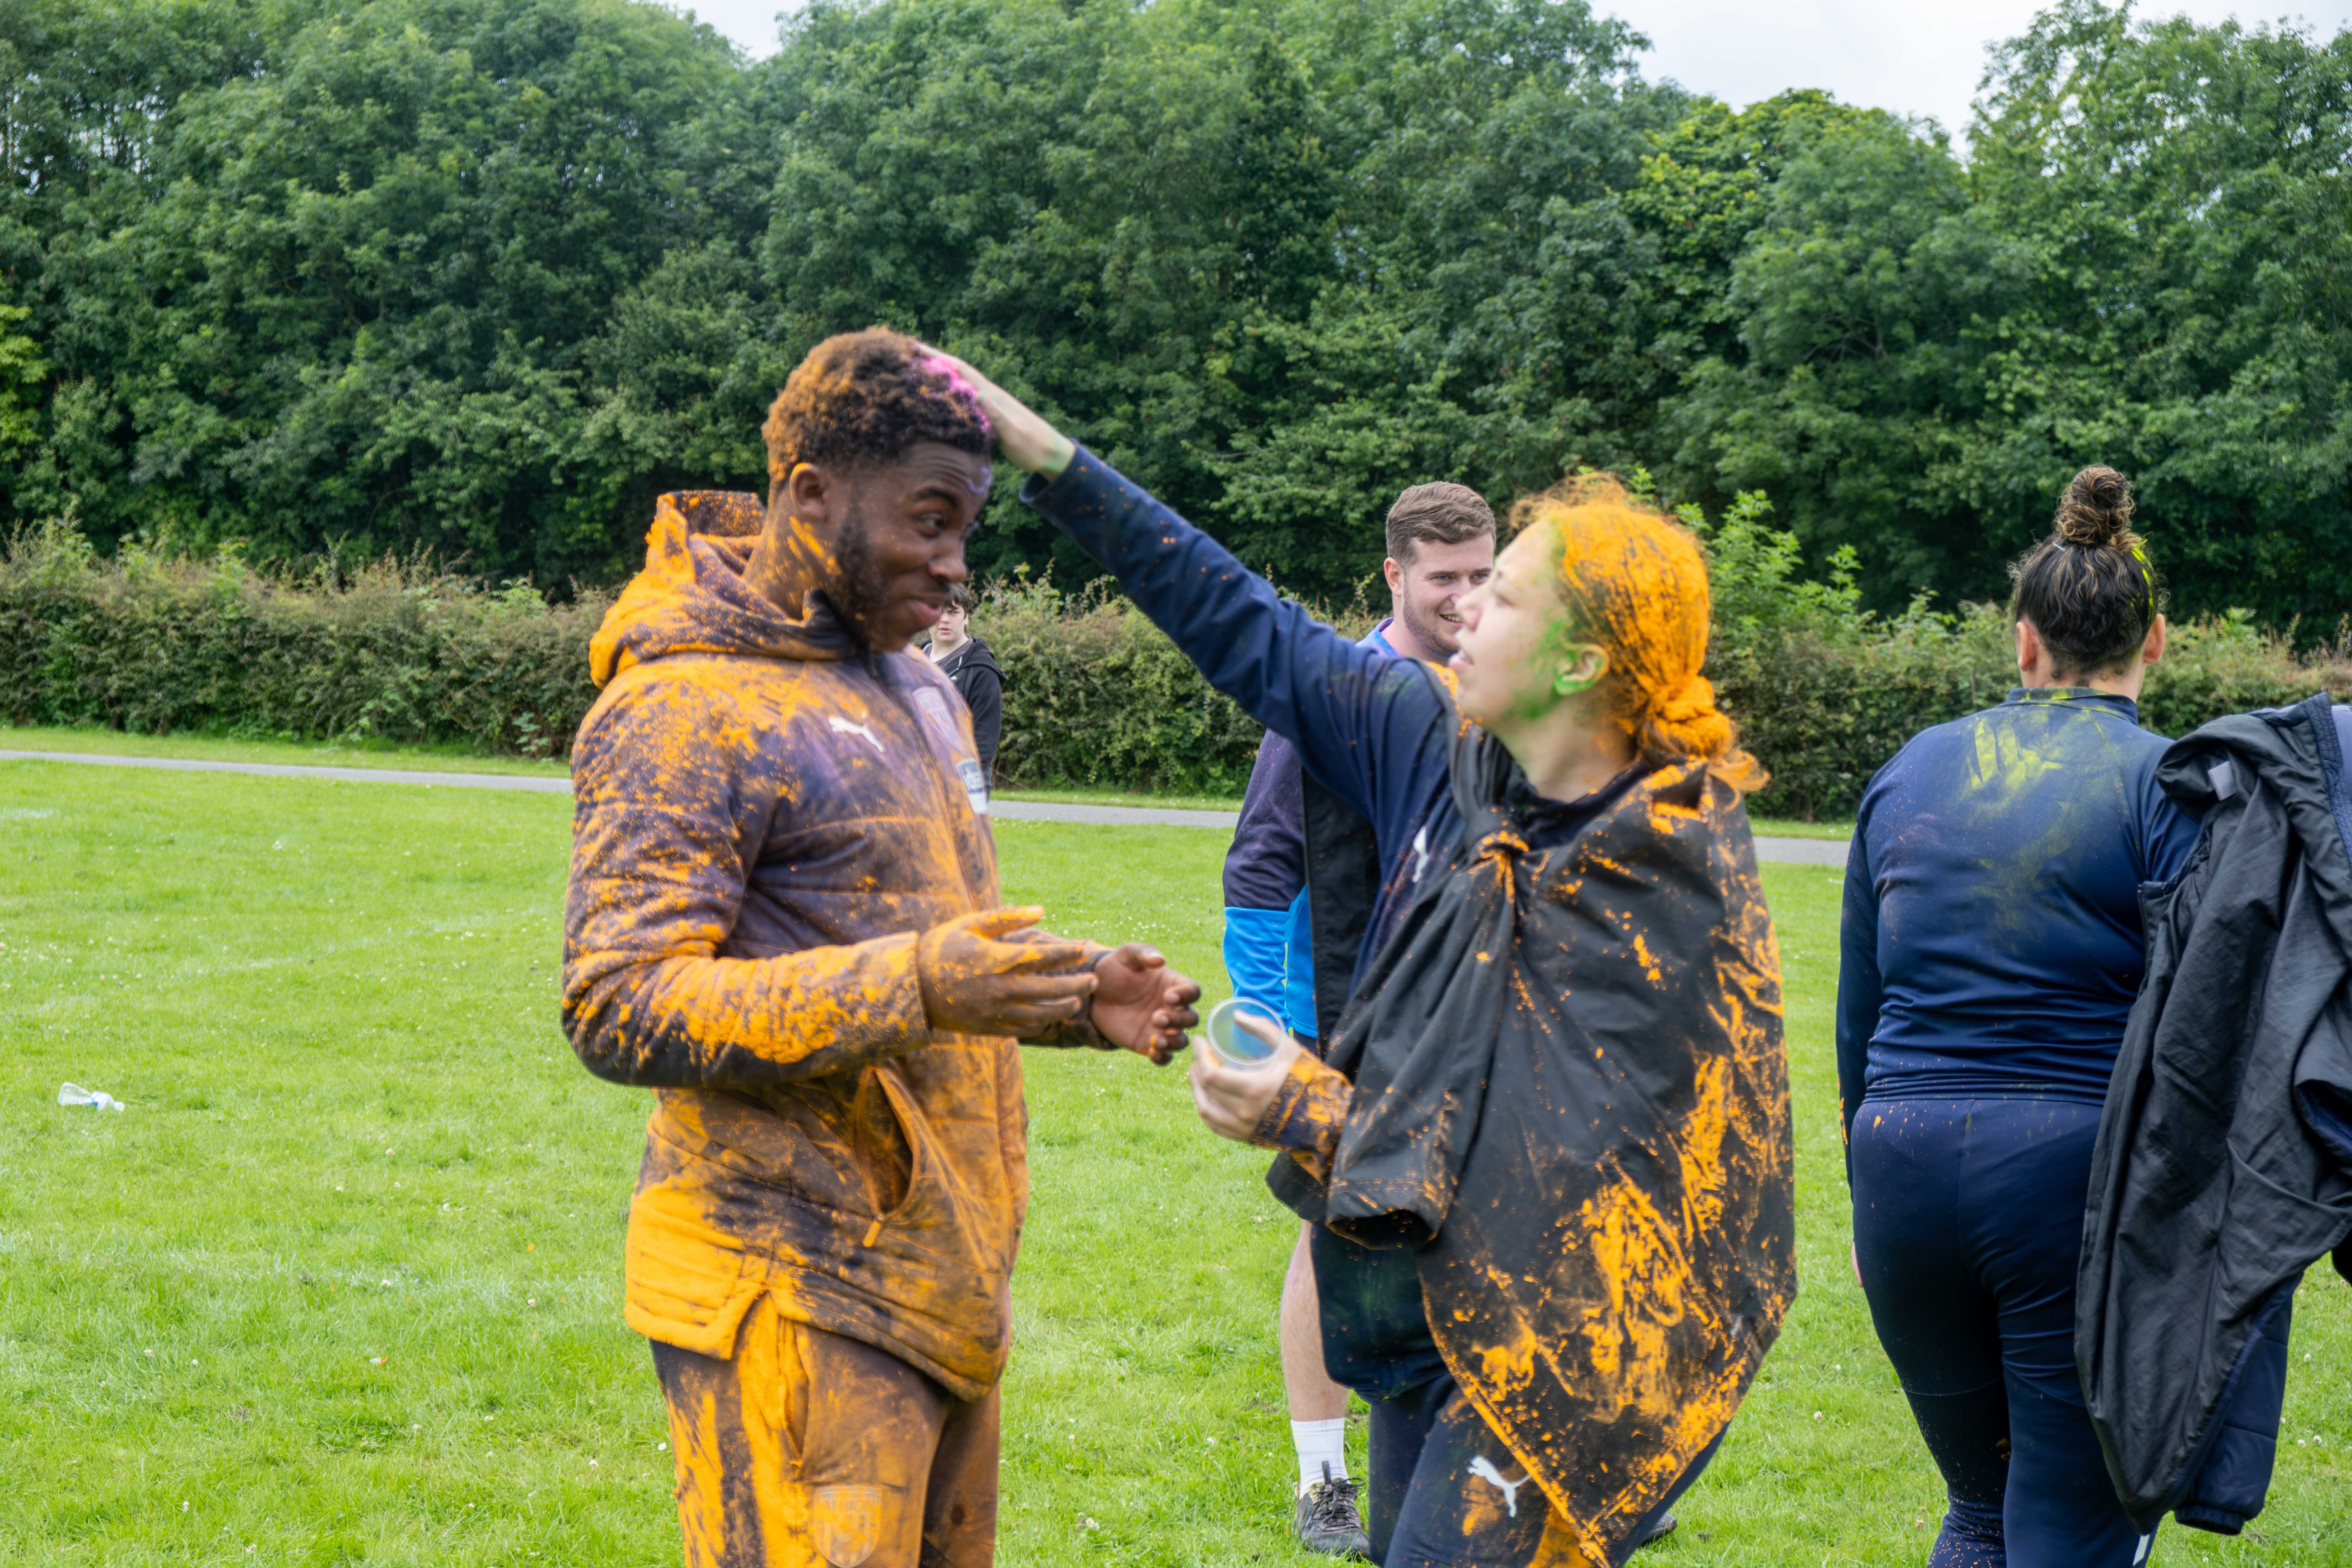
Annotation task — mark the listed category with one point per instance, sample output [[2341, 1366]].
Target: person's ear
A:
[[1394, 573], [811, 495], [2029, 647], [2153, 649], [1580, 668]]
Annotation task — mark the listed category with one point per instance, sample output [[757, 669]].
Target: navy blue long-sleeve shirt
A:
[[1366, 722], [1992, 943], [1370, 728]]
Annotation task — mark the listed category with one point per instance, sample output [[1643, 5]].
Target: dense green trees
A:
[[483, 275]]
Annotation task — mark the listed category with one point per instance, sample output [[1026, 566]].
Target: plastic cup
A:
[[1234, 1046]]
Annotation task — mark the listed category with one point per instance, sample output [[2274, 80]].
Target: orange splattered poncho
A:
[[1570, 1100], [764, 818]]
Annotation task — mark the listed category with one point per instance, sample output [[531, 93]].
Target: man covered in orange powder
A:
[[783, 917]]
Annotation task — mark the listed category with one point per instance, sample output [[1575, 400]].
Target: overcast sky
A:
[[1914, 57]]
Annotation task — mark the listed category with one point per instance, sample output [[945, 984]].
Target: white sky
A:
[[1913, 56]]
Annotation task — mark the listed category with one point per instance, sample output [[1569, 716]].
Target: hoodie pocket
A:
[[919, 1189]]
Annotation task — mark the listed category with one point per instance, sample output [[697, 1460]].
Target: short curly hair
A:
[[863, 399]]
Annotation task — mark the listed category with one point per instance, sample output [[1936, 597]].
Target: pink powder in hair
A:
[[958, 387]]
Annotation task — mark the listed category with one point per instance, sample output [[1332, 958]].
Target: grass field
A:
[[456, 759], [342, 1285]]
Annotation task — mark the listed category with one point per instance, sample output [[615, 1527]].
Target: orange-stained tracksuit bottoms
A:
[[808, 1449]]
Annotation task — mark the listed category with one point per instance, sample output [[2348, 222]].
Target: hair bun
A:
[[2096, 509]]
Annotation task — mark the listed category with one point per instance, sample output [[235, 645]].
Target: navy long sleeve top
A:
[[1991, 942], [1366, 722], [1369, 727]]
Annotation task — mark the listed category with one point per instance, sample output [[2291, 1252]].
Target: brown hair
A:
[[1635, 582], [2089, 589], [862, 399], [1437, 514], [962, 598]]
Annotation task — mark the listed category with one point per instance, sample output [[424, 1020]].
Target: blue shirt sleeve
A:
[[1367, 724], [1860, 987], [1266, 876], [2168, 830]]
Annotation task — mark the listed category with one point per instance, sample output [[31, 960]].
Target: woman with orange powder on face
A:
[[1550, 1162]]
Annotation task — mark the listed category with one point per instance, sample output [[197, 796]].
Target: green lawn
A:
[[342, 1285], [445, 759], [457, 759]]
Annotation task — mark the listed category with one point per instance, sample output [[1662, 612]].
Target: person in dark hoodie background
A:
[[783, 917], [1992, 949], [964, 658]]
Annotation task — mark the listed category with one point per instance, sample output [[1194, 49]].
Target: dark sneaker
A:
[[1658, 1531], [1328, 1519]]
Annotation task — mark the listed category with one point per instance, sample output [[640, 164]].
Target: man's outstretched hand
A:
[[1028, 441], [1142, 1004], [991, 974]]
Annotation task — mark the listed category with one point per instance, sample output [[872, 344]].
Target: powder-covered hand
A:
[[975, 981], [1029, 442], [1142, 1004], [1233, 1101]]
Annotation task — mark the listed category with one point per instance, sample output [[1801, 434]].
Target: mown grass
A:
[[280, 751], [354, 1133], [362, 753]]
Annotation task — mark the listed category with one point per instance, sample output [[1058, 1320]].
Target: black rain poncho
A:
[[1571, 1096]]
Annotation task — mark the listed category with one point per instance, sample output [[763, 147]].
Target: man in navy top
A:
[[1294, 895]]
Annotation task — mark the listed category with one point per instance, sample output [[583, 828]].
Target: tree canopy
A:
[[483, 276]]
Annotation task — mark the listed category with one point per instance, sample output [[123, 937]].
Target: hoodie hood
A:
[[691, 596], [971, 651]]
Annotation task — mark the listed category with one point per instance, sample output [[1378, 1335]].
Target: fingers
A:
[[1260, 1028], [1066, 958], [1039, 989], [1010, 943], [1212, 1098], [1136, 955], [1000, 924]]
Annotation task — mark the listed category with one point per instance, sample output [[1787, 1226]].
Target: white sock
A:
[[1320, 1443]]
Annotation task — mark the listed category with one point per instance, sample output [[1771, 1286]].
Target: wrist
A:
[[1057, 456]]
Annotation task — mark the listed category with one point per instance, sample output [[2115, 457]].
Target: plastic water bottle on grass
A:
[[74, 1094]]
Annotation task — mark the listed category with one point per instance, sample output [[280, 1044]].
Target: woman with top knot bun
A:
[[1992, 953], [1548, 1162]]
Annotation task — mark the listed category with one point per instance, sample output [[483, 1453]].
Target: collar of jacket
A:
[[691, 596], [2080, 695], [2293, 752]]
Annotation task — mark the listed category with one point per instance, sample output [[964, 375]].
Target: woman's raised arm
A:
[[1358, 716]]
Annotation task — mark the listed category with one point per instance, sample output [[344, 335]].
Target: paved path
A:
[[1802, 851], [283, 771]]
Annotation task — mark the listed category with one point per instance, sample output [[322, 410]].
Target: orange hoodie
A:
[[763, 819]]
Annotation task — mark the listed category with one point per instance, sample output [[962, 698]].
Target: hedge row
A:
[[150, 644], [1093, 695]]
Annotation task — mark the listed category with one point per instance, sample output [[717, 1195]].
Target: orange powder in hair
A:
[[1635, 582]]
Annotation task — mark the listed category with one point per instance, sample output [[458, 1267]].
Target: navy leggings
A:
[[1967, 1221], [1445, 1493]]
